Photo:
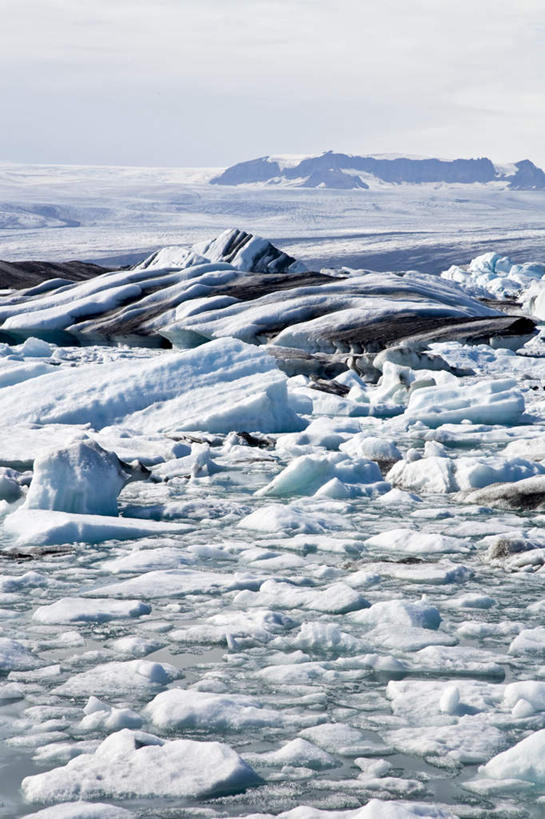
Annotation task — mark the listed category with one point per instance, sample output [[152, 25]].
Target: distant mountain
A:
[[341, 171]]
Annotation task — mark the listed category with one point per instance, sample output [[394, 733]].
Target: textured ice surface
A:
[[83, 478], [346, 644], [226, 385], [132, 764]]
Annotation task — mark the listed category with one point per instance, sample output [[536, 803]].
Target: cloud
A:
[[238, 78]]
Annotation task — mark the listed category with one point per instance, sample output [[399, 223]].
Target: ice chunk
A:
[[222, 386], [298, 753], [531, 691], [176, 583], [324, 432], [433, 574], [308, 473], [323, 638], [338, 738], [83, 479], [413, 542], [400, 613], [450, 700], [179, 709], [277, 518], [38, 527], [83, 810], [132, 764], [470, 740], [14, 656], [35, 348], [10, 490], [485, 402], [528, 493], [335, 599], [525, 760], [132, 676], [369, 446], [102, 717], [437, 473], [530, 641], [146, 560], [80, 609], [261, 625], [10, 583], [425, 702]]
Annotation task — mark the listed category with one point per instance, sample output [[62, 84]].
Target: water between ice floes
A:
[[343, 694]]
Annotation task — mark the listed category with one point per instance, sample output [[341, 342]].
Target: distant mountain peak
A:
[[343, 171]]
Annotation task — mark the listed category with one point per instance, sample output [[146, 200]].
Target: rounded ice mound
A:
[[307, 474], [83, 810], [401, 613], [179, 708], [35, 348], [369, 446], [132, 763], [82, 478], [524, 761], [496, 401]]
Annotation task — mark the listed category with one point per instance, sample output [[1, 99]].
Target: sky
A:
[[213, 82]]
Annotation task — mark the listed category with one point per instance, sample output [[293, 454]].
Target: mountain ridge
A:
[[344, 171]]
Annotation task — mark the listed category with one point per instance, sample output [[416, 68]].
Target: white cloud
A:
[[213, 81]]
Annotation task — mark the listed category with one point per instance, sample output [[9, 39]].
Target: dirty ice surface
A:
[[225, 592]]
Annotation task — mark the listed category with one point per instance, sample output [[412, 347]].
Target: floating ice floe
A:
[[400, 613], [84, 610], [14, 656], [485, 402], [135, 764], [181, 709], [83, 810], [471, 739], [494, 276], [101, 716], [439, 473], [374, 809], [237, 628], [83, 479], [223, 386], [132, 676], [177, 583], [335, 599], [315, 474], [527, 493], [411, 541], [41, 527], [276, 517], [523, 763], [297, 753]]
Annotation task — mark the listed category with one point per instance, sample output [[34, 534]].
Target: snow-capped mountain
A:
[[342, 171]]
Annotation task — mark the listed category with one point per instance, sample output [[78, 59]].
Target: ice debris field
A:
[[273, 540]]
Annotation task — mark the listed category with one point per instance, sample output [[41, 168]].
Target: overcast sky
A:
[[212, 82]]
